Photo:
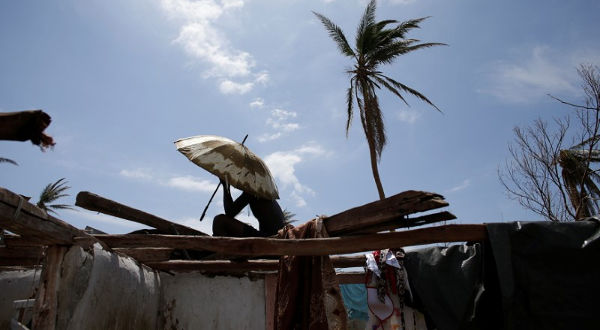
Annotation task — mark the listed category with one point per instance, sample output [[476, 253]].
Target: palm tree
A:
[[580, 180], [51, 193], [376, 44], [288, 217]]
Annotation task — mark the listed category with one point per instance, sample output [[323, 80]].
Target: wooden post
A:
[[46, 303], [270, 298]]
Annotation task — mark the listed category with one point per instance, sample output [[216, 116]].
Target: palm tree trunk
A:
[[375, 170], [369, 136]]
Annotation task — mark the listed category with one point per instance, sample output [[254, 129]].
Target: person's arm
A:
[[232, 208]]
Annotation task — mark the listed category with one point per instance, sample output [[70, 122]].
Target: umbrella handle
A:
[[213, 194], [210, 200]]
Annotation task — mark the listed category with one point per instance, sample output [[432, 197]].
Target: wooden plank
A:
[[22, 252], [350, 278], [381, 211], [18, 241], [46, 303], [23, 262], [145, 255], [19, 268], [93, 202], [21, 217], [215, 265], [407, 223], [242, 266], [314, 246]]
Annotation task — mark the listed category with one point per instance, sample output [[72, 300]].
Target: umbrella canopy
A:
[[230, 161]]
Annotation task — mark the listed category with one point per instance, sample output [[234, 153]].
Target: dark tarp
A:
[[445, 282], [527, 275], [549, 274]]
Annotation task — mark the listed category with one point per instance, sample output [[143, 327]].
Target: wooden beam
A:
[[22, 252], [313, 246], [23, 262], [145, 255], [21, 217], [18, 241], [93, 202], [215, 265], [381, 211], [46, 303], [407, 223], [242, 266]]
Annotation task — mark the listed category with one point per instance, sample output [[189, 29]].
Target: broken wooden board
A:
[[382, 211], [19, 216], [407, 223], [93, 202]]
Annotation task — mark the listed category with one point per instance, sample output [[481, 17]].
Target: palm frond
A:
[[288, 217], [350, 110], [366, 23], [388, 53], [6, 160], [390, 88], [594, 139], [51, 193], [336, 33], [403, 28], [410, 91]]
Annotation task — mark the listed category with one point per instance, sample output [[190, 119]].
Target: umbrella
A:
[[230, 161]]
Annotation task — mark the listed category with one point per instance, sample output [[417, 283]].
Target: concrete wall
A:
[[106, 291], [195, 301], [103, 290], [15, 285]]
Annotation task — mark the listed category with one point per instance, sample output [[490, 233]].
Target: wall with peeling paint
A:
[[103, 290], [15, 285], [195, 301], [106, 291]]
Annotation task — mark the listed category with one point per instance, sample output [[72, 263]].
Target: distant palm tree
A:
[[375, 45], [580, 180], [288, 217], [51, 193]]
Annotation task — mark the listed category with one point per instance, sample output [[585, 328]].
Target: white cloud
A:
[[230, 87], [280, 114], [204, 42], [200, 39], [282, 165], [466, 183], [191, 183], [140, 174], [187, 183], [408, 116], [262, 78], [269, 137], [192, 10], [280, 121], [257, 103], [527, 79]]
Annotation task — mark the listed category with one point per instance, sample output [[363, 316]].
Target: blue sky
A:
[[124, 80]]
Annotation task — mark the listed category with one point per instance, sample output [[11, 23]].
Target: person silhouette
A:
[[267, 212]]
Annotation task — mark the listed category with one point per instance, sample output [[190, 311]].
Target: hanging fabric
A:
[[387, 291]]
